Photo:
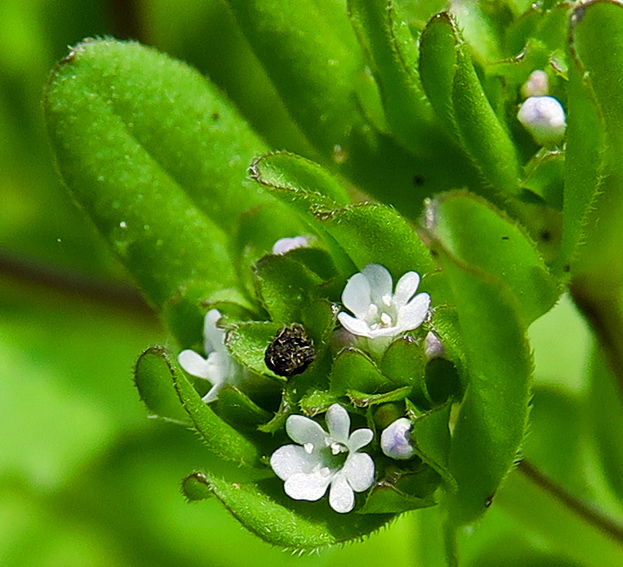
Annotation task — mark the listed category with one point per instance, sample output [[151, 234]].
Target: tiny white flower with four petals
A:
[[219, 367], [323, 460], [378, 310]]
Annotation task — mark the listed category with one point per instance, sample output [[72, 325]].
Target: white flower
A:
[[379, 312], [325, 459], [544, 117], [396, 440], [536, 85], [284, 245], [218, 368]]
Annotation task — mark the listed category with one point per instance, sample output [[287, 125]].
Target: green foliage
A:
[[416, 108]]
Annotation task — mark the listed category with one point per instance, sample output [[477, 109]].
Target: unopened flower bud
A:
[[433, 348], [544, 117], [396, 440], [536, 85]]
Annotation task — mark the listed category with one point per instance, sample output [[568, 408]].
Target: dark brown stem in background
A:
[[66, 282], [585, 511], [605, 316]]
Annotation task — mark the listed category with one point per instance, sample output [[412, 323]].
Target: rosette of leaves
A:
[[416, 109]]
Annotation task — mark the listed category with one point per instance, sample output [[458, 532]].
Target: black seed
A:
[[291, 351]]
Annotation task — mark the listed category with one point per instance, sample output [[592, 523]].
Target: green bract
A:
[[421, 116]]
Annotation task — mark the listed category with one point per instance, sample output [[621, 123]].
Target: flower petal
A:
[[338, 422], [412, 315], [290, 460], [302, 486], [212, 335], [341, 495], [355, 326], [356, 295], [359, 470], [405, 288], [193, 363], [213, 393], [380, 281], [304, 430], [359, 439]]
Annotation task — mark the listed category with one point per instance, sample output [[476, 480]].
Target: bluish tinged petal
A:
[[341, 495], [304, 430], [302, 486], [356, 295], [290, 460]]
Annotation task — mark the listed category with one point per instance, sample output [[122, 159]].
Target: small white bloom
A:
[[396, 440], [378, 310], [284, 245], [544, 117], [536, 85], [219, 367], [322, 460]]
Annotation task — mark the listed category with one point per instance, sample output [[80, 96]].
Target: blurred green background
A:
[[85, 477]]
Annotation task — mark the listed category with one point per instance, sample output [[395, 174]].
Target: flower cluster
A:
[[322, 461]]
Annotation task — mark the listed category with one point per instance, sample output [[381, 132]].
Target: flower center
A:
[[334, 455], [383, 315]]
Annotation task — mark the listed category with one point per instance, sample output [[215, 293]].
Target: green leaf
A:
[[596, 42], [431, 440], [388, 44], [152, 376], [264, 509], [479, 236], [401, 491], [403, 364], [236, 408], [144, 143], [247, 343], [455, 91], [366, 233], [375, 233], [354, 370], [285, 287], [295, 173], [222, 439], [493, 414]]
